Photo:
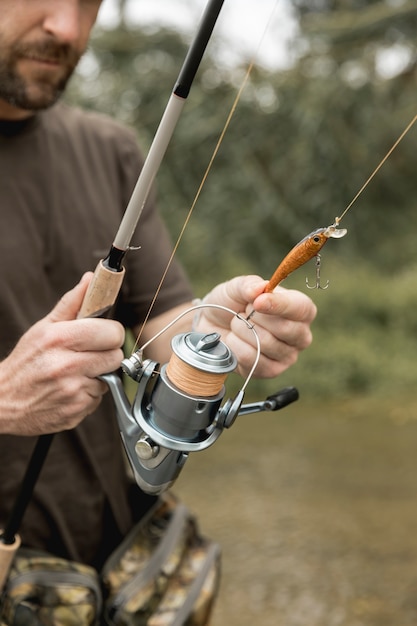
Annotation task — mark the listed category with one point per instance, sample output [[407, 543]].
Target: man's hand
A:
[[49, 382], [282, 320]]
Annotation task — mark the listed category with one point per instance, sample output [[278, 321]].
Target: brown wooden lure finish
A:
[[305, 250]]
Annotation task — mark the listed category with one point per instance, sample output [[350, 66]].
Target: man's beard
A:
[[42, 89]]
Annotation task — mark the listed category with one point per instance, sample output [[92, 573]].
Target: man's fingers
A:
[[237, 292], [89, 334], [97, 389], [287, 303], [93, 364], [68, 306]]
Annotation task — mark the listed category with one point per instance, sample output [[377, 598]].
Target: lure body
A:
[[305, 250]]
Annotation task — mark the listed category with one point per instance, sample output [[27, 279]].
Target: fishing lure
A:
[[306, 249]]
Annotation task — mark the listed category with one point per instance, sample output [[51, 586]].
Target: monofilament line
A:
[[376, 170]]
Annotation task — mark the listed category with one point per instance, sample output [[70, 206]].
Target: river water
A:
[[315, 508]]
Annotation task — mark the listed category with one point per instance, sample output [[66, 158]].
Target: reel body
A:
[[178, 407]]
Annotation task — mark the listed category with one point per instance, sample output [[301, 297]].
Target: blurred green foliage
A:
[[300, 146]]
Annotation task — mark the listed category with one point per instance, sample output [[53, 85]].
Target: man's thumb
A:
[[68, 306]]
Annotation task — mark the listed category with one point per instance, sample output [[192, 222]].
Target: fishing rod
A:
[[9, 538], [177, 407]]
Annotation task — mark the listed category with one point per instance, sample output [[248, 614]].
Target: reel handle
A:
[[282, 398], [276, 401]]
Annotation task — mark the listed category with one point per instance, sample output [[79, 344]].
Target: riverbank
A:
[[316, 509]]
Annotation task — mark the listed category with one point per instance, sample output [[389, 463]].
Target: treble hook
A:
[[317, 285]]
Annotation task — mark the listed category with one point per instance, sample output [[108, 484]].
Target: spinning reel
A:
[[177, 408]]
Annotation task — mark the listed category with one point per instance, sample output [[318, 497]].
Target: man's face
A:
[[41, 42]]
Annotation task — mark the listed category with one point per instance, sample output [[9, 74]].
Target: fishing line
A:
[[207, 171], [376, 170]]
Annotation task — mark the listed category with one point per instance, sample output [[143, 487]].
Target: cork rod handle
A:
[[7, 552], [102, 292]]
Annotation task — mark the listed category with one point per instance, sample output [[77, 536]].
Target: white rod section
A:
[[150, 168]]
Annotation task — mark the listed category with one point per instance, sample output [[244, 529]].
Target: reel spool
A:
[[177, 408], [189, 391]]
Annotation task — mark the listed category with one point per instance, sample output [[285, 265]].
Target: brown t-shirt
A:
[[66, 177]]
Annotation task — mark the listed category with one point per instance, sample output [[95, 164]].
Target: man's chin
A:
[[31, 87], [41, 102], [34, 99]]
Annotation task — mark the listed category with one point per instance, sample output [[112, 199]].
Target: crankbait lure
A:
[[306, 249]]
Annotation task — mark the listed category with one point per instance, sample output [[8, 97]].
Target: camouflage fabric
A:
[[164, 574], [190, 594], [48, 591]]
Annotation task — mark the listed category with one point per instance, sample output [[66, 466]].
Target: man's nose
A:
[[62, 20]]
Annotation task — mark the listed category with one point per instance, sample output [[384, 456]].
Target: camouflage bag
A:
[[164, 573], [45, 590]]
